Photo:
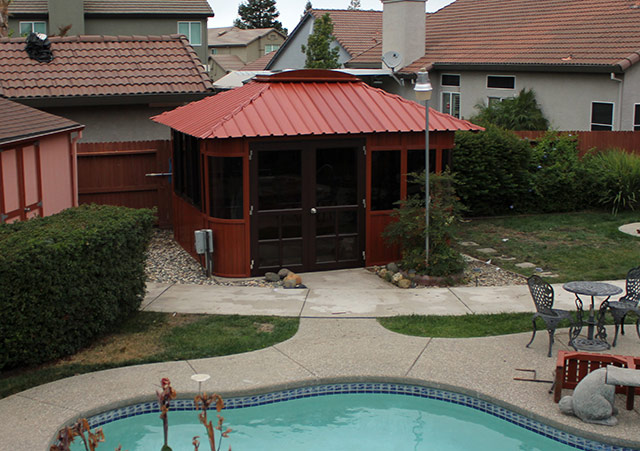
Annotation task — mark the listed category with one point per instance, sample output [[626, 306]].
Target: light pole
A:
[[423, 92]]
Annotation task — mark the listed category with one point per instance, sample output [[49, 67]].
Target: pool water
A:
[[336, 422]]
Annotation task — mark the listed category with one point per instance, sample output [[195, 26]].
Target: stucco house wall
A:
[[630, 97]]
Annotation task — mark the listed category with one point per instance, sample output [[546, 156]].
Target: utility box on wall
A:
[[204, 245]]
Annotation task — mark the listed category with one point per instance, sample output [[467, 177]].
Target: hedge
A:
[[68, 278]]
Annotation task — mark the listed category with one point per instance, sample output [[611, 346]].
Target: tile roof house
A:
[[579, 56], [231, 48], [37, 162], [114, 18], [111, 84], [299, 169]]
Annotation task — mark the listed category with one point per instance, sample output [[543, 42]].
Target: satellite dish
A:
[[392, 59]]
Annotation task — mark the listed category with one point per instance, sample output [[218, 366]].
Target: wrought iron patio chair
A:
[[543, 296], [627, 303]]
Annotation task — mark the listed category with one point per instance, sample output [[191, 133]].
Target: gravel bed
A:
[[167, 262]]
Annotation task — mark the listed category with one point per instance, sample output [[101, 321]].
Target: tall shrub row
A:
[[497, 173], [67, 278]]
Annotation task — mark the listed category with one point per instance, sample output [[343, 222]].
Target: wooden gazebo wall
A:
[[232, 254]]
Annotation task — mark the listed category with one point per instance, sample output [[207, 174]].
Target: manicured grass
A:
[[576, 246], [468, 326], [158, 337]]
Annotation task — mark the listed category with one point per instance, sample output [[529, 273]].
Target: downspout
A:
[[618, 124], [74, 169]]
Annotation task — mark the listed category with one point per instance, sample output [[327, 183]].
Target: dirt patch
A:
[[264, 327], [121, 348]]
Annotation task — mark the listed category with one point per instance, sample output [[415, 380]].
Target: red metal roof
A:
[[91, 66], [305, 102]]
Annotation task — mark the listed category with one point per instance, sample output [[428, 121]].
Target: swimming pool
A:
[[372, 416]]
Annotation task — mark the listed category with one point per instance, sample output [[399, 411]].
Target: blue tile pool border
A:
[[368, 388]]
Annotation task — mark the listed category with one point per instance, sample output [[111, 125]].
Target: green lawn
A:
[[159, 337], [576, 246]]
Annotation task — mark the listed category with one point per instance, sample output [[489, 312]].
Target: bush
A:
[[408, 230], [614, 179], [68, 278], [491, 170], [557, 176], [521, 112]]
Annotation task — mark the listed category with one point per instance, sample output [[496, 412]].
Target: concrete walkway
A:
[[338, 341]]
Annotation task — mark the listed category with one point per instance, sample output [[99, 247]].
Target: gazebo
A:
[[299, 169]]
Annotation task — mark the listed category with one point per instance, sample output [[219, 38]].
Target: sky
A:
[[226, 11]]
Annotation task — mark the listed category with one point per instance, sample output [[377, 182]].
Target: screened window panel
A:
[[226, 187], [385, 179], [601, 116]]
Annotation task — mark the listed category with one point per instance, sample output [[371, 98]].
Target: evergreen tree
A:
[[258, 14], [308, 7], [318, 51], [354, 4]]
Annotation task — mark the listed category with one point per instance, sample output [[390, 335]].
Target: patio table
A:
[[594, 341]]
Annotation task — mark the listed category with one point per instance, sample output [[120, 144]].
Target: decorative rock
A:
[[525, 265], [284, 272], [548, 274], [289, 283], [383, 273], [632, 229], [297, 280], [468, 243], [487, 250], [506, 258], [393, 267], [397, 277], [272, 277], [404, 283], [592, 400]]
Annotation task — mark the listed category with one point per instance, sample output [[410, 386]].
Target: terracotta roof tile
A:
[[18, 122], [556, 32], [229, 36], [103, 65], [260, 63], [304, 102], [182, 7]]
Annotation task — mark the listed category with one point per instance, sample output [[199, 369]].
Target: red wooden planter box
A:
[[571, 367]]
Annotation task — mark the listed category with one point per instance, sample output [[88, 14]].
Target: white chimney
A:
[[403, 28]]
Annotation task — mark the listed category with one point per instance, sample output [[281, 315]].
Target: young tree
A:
[[258, 14], [354, 4], [318, 51], [516, 113], [4, 18]]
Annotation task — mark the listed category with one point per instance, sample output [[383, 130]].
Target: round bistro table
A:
[[594, 341]]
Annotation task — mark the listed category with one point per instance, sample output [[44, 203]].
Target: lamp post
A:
[[423, 90]]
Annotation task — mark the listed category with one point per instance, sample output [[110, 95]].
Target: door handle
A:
[[313, 211]]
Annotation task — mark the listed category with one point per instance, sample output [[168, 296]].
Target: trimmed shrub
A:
[[557, 175], [408, 230], [491, 170], [521, 112], [614, 179], [67, 278]]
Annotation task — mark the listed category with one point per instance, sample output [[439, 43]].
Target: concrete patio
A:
[[339, 340]]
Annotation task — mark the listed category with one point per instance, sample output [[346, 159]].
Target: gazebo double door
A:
[[307, 205]]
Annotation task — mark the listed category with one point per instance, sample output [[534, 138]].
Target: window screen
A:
[[225, 187], [451, 103], [385, 179], [450, 80], [601, 116], [187, 167], [501, 81]]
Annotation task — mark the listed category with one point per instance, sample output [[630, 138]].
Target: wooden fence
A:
[[116, 173], [601, 140]]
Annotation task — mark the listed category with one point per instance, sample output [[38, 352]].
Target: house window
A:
[[214, 51], [32, 27], [636, 118], [385, 179], [225, 187], [192, 30], [450, 80], [451, 103], [494, 100], [501, 81], [601, 116], [271, 48]]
